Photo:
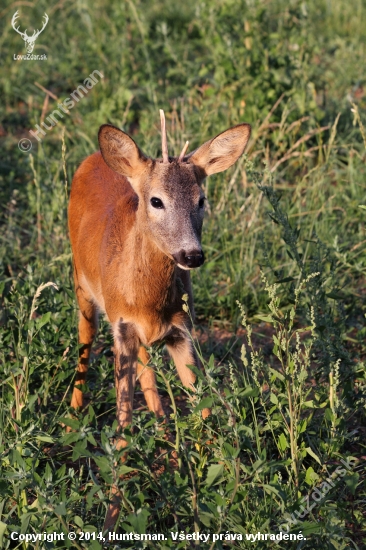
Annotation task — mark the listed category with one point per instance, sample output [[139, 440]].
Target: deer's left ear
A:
[[221, 152], [120, 152]]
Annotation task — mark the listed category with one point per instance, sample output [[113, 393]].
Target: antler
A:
[[184, 150], [44, 24], [15, 17], [164, 143]]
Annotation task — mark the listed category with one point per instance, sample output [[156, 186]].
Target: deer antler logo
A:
[[29, 40]]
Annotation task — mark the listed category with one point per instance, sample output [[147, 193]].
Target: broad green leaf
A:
[[125, 470], [70, 422], [310, 451], [214, 472], [229, 450], [43, 320], [80, 450], [249, 391], [139, 520], [104, 467], [60, 509], [277, 374], [271, 490], [70, 438], [311, 476], [273, 398], [45, 438], [308, 528], [266, 318], [91, 439], [302, 426], [205, 403], [78, 521], [282, 442]]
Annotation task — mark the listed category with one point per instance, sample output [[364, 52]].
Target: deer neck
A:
[[153, 273], [159, 269]]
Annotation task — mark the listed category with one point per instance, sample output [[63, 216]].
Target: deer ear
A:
[[120, 152], [221, 152]]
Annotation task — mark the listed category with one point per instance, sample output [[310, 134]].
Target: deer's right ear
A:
[[221, 152], [120, 152]]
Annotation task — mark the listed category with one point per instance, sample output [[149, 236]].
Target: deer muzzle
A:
[[189, 260]]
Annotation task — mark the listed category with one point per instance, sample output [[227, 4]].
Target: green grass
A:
[[286, 408]]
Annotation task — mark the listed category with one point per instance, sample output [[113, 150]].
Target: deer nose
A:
[[195, 258], [192, 259]]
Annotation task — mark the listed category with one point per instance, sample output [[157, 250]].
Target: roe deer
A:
[[135, 227]]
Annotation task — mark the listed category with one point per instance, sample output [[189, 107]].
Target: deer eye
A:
[[156, 203], [201, 203]]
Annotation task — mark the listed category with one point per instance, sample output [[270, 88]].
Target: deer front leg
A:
[[126, 344], [125, 364], [146, 377], [181, 349], [88, 326]]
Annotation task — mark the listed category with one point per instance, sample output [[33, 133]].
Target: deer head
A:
[[170, 194], [29, 40]]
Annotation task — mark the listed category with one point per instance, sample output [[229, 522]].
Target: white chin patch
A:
[[184, 267]]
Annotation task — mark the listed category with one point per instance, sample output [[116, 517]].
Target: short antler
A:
[[184, 150], [164, 143], [13, 21]]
